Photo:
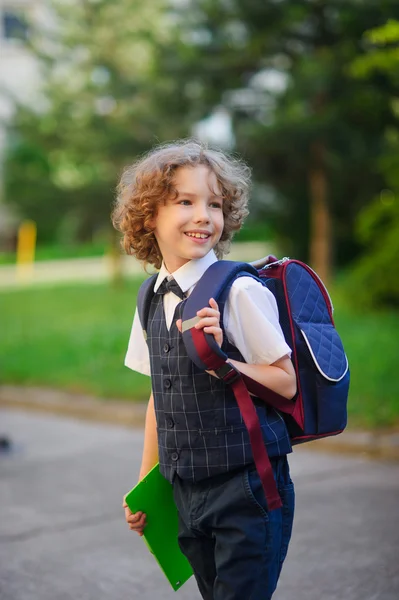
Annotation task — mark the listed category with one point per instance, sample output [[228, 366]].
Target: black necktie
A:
[[170, 286]]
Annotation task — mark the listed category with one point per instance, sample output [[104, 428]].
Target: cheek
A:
[[221, 224]]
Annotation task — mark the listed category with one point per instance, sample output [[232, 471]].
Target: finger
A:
[[208, 312], [207, 322], [179, 324], [213, 303], [132, 519], [135, 517], [216, 331], [140, 530], [138, 526], [128, 513]]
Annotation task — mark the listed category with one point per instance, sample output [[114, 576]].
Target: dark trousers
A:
[[235, 546]]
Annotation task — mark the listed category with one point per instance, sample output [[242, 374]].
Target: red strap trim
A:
[[259, 452], [250, 417], [272, 398], [210, 358]]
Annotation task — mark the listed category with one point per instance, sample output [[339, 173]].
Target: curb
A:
[[377, 445], [369, 444], [79, 406]]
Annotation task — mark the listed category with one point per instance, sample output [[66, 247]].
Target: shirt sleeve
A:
[[251, 322], [137, 356]]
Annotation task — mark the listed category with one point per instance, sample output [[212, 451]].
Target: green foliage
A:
[[98, 108], [121, 76], [387, 34], [382, 55], [374, 281], [254, 231], [281, 69]]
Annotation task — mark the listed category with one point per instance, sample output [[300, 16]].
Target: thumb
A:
[[178, 324]]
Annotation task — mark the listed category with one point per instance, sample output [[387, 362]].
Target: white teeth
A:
[[198, 235]]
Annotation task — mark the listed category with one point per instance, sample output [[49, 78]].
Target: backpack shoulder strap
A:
[[145, 295], [213, 284], [201, 347]]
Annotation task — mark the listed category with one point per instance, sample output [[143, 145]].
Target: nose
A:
[[201, 214]]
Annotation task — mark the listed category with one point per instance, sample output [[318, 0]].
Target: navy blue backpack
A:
[[319, 408]]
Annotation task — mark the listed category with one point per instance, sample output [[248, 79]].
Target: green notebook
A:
[[153, 495]]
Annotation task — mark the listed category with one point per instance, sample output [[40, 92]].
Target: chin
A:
[[200, 253]]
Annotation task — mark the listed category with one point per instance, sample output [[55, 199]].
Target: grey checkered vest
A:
[[200, 429]]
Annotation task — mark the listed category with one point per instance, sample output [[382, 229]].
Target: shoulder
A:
[[246, 282], [148, 284], [248, 290], [144, 297], [251, 322], [137, 356], [248, 296]]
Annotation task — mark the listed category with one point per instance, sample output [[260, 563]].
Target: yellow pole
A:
[[26, 247], [115, 260]]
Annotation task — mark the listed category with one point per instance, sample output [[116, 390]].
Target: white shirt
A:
[[250, 317]]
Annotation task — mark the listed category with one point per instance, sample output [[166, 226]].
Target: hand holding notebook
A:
[[153, 497], [136, 521]]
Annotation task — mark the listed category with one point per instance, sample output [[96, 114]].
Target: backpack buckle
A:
[[228, 373]]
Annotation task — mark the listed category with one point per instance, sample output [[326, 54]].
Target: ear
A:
[[150, 224]]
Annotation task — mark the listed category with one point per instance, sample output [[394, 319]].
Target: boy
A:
[[178, 208]]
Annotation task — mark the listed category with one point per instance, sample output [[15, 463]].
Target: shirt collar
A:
[[188, 274]]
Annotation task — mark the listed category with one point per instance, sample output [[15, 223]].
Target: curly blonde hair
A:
[[148, 183]]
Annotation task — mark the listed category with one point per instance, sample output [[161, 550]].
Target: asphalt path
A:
[[63, 535]]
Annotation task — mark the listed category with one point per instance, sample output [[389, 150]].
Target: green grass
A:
[[75, 338], [72, 337], [370, 341]]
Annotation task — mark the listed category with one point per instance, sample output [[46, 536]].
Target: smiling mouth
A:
[[199, 236]]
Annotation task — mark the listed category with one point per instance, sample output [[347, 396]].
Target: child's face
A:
[[189, 226]]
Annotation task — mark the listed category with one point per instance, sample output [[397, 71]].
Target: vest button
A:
[[174, 456], [166, 348], [167, 383], [170, 423]]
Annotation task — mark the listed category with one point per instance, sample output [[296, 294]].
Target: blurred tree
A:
[[374, 278], [98, 108], [310, 130], [119, 77]]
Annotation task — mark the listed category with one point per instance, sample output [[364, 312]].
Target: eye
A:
[[185, 202], [216, 204]]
